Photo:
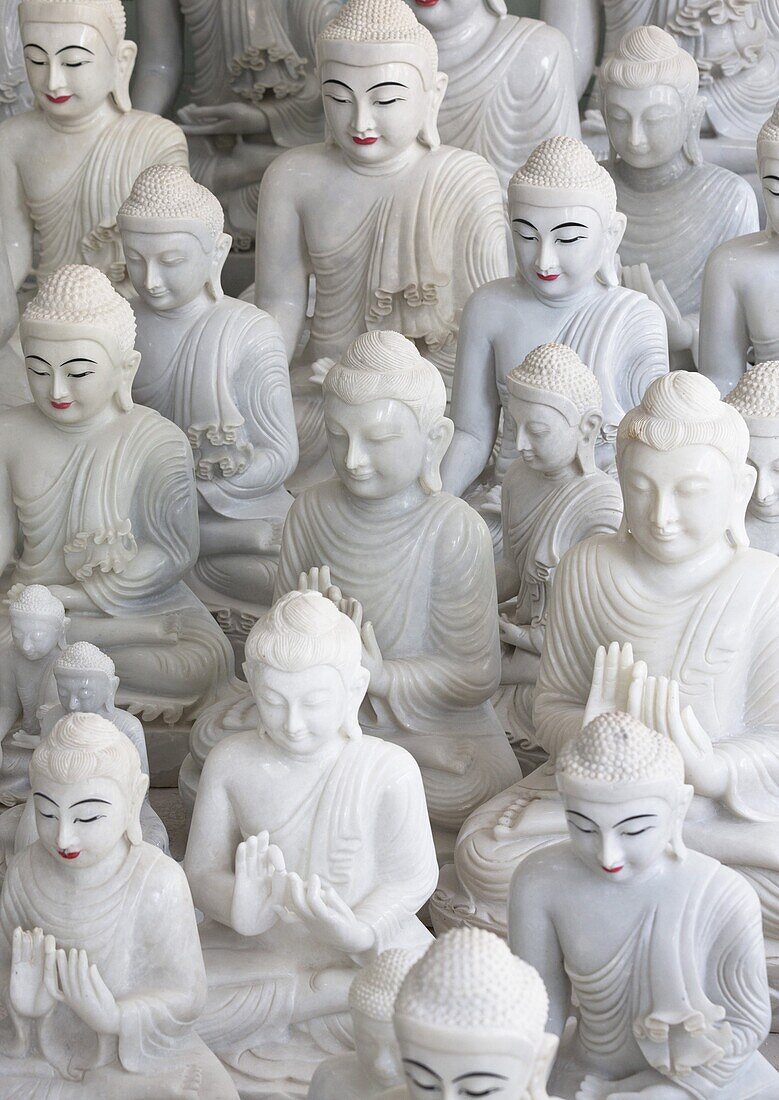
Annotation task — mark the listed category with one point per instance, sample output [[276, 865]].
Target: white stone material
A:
[[756, 397]]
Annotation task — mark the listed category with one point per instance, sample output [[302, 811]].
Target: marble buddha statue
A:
[[101, 972], [739, 314], [15, 92], [217, 368], [678, 208], [674, 609], [567, 231], [397, 229], [756, 397], [67, 164], [98, 502], [375, 1065], [37, 624], [511, 80], [414, 568], [553, 497], [470, 1020], [668, 977], [310, 853]]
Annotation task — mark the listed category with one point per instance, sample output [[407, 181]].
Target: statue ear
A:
[[114, 682], [221, 251], [134, 832], [692, 143], [542, 1068], [429, 135], [129, 369], [439, 436], [678, 846], [745, 486], [589, 430], [608, 272], [125, 63]]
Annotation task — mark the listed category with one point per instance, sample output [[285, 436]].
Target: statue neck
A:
[[653, 179], [678, 579], [404, 159], [109, 415], [104, 115], [467, 36], [565, 473], [577, 298], [101, 873], [190, 311], [410, 497]]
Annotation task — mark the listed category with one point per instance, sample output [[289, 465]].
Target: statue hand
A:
[[374, 662], [326, 915], [224, 118], [259, 885], [71, 979], [30, 952], [518, 635], [616, 681], [320, 369], [705, 770], [25, 740], [680, 331], [317, 579]]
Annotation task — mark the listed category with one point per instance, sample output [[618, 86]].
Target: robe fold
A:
[[15, 92]]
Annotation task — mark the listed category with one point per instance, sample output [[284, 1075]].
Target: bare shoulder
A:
[[539, 877], [297, 171], [18, 130]]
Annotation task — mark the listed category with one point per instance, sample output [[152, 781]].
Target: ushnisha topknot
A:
[[557, 370], [768, 137], [562, 168], [647, 56], [756, 397], [167, 194], [35, 599], [385, 23], [375, 988], [616, 748], [104, 15], [468, 981], [84, 657], [82, 296]]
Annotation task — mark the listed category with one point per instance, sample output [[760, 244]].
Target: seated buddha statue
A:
[[414, 568], [98, 502], [217, 368], [101, 973], [567, 232], [669, 987], [68, 163], [310, 853], [676, 612], [756, 397], [397, 229]]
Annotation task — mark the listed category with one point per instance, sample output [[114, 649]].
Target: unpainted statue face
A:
[[679, 504], [433, 1074], [377, 1049], [621, 841], [70, 68], [168, 270], [81, 823], [378, 448], [83, 691], [71, 381], [303, 712], [375, 112], [440, 15], [559, 250], [546, 442], [764, 456], [34, 636], [646, 126], [769, 177]]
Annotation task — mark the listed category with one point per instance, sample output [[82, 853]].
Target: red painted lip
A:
[[612, 870], [364, 141], [426, 3], [547, 278], [68, 855], [60, 404], [58, 98]]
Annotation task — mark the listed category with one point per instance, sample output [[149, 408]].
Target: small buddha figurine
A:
[[310, 852], [739, 315], [756, 397], [101, 497], [101, 971], [553, 497], [511, 80], [669, 982], [678, 208], [697, 613], [375, 1066], [397, 229], [414, 566], [217, 368], [38, 624], [470, 1019], [566, 229], [70, 161]]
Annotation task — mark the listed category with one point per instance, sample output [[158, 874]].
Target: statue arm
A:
[[579, 20], [160, 63], [9, 524], [724, 335], [271, 416], [9, 309], [214, 836], [14, 215]]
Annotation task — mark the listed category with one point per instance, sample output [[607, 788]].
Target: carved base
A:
[[450, 907]]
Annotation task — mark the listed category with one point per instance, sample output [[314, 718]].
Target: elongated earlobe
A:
[[125, 63]]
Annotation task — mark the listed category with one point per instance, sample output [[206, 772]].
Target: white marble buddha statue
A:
[[397, 229], [756, 397], [15, 92], [667, 977], [310, 852], [217, 368], [739, 313], [375, 1065], [101, 971], [511, 80], [553, 497], [67, 164], [674, 613], [99, 494], [567, 231], [470, 1019], [678, 208], [414, 567], [38, 625]]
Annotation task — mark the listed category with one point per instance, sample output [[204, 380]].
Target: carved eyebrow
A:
[[476, 1073], [421, 1065], [636, 817], [771, 177], [524, 221], [582, 816], [27, 45], [40, 360], [74, 47], [85, 800], [40, 794], [388, 84], [570, 225], [79, 359], [340, 82]]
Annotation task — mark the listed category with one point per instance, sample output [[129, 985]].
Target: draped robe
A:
[[15, 92]]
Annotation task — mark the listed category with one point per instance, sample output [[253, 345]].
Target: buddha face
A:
[[82, 822], [33, 635], [439, 15], [546, 442], [559, 249], [646, 126], [168, 270], [377, 1049], [83, 691], [679, 504], [446, 1074], [71, 70], [764, 456], [769, 177], [621, 841], [377, 112], [72, 381], [303, 712]]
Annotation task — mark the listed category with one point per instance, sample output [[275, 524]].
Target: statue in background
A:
[[15, 92], [756, 397]]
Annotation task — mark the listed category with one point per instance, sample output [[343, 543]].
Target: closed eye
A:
[[485, 1092], [570, 240], [335, 98], [581, 830], [638, 832], [76, 64], [40, 373], [387, 102], [81, 374], [45, 815], [425, 1088], [88, 820], [524, 238]]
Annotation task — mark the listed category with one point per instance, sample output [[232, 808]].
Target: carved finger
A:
[[82, 972], [695, 731], [276, 859], [334, 594], [662, 716], [63, 974], [50, 969], [16, 946], [297, 895], [303, 582], [99, 988], [324, 579], [37, 944], [650, 688]]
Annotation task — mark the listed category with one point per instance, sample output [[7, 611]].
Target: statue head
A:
[[442, 15], [556, 404], [382, 90], [372, 997], [384, 414], [756, 397], [86, 679], [88, 789], [650, 102], [470, 1016], [173, 238], [625, 798], [38, 622], [78, 338], [682, 462], [768, 169], [564, 220], [303, 667], [77, 56]]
